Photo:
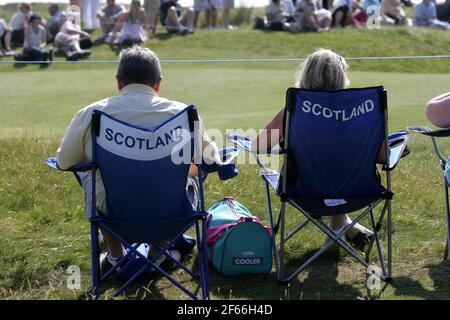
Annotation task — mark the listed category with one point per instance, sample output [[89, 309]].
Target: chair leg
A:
[[95, 260], [280, 271], [205, 275], [202, 258], [389, 236], [447, 211], [377, 241], [272, 227]]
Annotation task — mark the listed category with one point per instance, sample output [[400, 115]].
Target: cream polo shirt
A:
[[138, 105]]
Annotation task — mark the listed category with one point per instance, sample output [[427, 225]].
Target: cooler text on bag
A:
[[247, 261]]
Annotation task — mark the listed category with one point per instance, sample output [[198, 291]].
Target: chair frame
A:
[[434, 134], [97, 222], [393, 156]]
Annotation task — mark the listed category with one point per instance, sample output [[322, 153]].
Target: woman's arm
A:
[[43, 38], [28, 35], [271, 135], [437, 110], [118, 26]]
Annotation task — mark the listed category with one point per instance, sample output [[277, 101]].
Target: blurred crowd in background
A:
[[69, 29]]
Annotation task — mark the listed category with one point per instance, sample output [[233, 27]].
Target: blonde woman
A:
[[133, 24], [322, 70]]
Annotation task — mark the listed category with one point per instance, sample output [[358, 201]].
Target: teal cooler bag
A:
[[238, 243]]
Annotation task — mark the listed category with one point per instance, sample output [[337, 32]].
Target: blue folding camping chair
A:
[[331, 143], [434, 134], [144, 172]]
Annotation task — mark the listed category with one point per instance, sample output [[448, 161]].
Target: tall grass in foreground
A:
[[43, 231]]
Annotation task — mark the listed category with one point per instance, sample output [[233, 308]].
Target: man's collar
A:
[[138, 88]]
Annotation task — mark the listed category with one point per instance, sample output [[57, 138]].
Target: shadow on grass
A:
[[439, 274], [320, 282]]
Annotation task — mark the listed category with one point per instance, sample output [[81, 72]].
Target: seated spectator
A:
[[172, 18], [438, 110], [393, 9], [361, 17], [109, 15], [289, 6], [425, 16], [68, 39], [3, 27], [132, 25], [139, 79], [35, 41], [322, 70], [15, 33], [152, 9], [443, 10], [312, 16], [277, 16], [343, 12], [57, 19]]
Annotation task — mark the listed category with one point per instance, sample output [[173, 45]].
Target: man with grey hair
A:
[[138, 80]]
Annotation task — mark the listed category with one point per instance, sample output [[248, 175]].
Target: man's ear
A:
[[119, 83], [157, 86]]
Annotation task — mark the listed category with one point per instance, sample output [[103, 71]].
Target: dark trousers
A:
[[343, 21], [30, 54]]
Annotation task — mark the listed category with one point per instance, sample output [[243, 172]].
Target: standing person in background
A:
[[199, 7], [57, 19], [152, 9], [228, 5], [15, 33], [35, 41], [425, 16], [89, 10], [211, 12], [133, 24], [109, 16]]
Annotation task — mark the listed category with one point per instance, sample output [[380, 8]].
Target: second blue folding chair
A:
[[331, 144], [444, 164]]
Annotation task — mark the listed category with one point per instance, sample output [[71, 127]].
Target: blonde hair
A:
[[323, 70]]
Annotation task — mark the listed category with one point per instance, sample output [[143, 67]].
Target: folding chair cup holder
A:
[[331, 143]]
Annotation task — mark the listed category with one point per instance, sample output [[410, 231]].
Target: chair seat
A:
[[142, 232], [330, 207]]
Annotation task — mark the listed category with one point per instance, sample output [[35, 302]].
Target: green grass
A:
[[42, 224]]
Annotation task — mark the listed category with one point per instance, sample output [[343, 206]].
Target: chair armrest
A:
[[429, 132], [82, 167], [433, 135], [397, 143], [245, 143], [228, 169]]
